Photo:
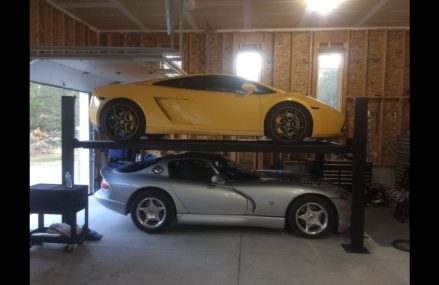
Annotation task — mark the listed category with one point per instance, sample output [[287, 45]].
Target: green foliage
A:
[[329, 86], [45, 116]]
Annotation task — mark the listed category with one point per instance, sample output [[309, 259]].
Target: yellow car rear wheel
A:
[[288, 122], [122, 120]]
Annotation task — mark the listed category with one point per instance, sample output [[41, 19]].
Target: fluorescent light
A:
[[323, 6]]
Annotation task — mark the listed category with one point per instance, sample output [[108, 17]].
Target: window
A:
[[249, 62], [189, 169], [330, 66], [215, 83]]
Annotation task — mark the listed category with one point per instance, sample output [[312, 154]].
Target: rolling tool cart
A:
[[59, 200]]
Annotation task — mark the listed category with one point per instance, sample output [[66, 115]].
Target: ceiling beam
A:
[[190, 20], [130, 15], [372, 12], [86, 5], [247, 11], [72, 16]]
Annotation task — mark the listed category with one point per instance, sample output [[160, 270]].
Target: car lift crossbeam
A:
[[217, 145]]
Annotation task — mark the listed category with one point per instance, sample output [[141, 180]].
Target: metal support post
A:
[[358, 180], [67, 136]]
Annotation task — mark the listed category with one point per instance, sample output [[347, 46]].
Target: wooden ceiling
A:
[[218, 15]]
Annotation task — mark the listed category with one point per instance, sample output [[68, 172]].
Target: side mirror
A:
[[218, 179], [248, 88]]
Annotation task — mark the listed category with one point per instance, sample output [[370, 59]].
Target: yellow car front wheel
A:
[[288, 122], [122, 120]]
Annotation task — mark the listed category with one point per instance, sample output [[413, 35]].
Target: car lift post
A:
[[67, 135], [358, 181]]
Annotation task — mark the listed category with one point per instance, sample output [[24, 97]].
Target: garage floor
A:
[[219, 255]]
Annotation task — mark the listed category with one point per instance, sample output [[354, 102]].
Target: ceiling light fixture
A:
[[322, 6]]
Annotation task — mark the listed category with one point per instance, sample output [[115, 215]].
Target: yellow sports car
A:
[[210, 105]]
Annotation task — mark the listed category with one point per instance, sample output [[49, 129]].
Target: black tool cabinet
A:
[[59, 200]]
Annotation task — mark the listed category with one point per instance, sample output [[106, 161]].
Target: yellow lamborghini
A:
[[210, 105]]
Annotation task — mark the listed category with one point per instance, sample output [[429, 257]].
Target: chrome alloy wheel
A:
[[311, 218], [288, 124], [122, 121], [151, 212]]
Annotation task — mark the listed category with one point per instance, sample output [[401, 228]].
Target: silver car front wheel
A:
[[152, 211], [311, 216]]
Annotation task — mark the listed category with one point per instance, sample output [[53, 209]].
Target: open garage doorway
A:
[[45, 134]]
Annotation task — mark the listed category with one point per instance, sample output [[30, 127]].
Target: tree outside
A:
[[45, 132]]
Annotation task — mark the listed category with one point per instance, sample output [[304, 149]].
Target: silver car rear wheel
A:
[[151, 211], [311, 217]]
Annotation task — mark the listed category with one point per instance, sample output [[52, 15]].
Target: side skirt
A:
[[232, 220]]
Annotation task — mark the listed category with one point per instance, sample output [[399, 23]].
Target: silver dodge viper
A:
[[209, 189]]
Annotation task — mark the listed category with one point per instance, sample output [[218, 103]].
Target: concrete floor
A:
[[215, 255]]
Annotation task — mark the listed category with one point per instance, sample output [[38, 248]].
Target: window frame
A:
[[341, 90]]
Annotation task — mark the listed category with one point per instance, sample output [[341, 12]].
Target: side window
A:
[[170, 82], [190, 169]]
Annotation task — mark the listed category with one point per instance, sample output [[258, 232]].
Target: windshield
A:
[[232, 171]]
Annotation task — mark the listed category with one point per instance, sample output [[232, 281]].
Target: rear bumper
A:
[[110, 204]]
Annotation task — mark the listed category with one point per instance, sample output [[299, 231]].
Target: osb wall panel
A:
[[92, 38], [45, 31], [282, 60], [58, 28], [405, 116], [373, 131], [394, 74], [80, 35], [350, 117], [70, 28], [197, 53], [214, 48], [267, 59], [148, 40], [300, 62], [132, 40], [51, 27], [356, 63], [406, 90], [115, 39], [248, 37], [375, 62], [34, 20], [390, 119], [228, 53], [247, 160], [330, 37]]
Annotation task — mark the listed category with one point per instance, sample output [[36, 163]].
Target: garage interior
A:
[[79, 45]]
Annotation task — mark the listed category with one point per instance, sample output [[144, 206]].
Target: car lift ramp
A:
[[318, 147]]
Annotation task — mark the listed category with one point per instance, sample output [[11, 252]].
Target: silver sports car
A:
[[208, 189]]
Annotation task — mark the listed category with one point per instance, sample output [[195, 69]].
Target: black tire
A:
[[288, 122], [159, 207], [311, 217], [122, 120]]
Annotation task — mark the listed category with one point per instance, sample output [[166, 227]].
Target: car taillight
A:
[[104, 185]]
